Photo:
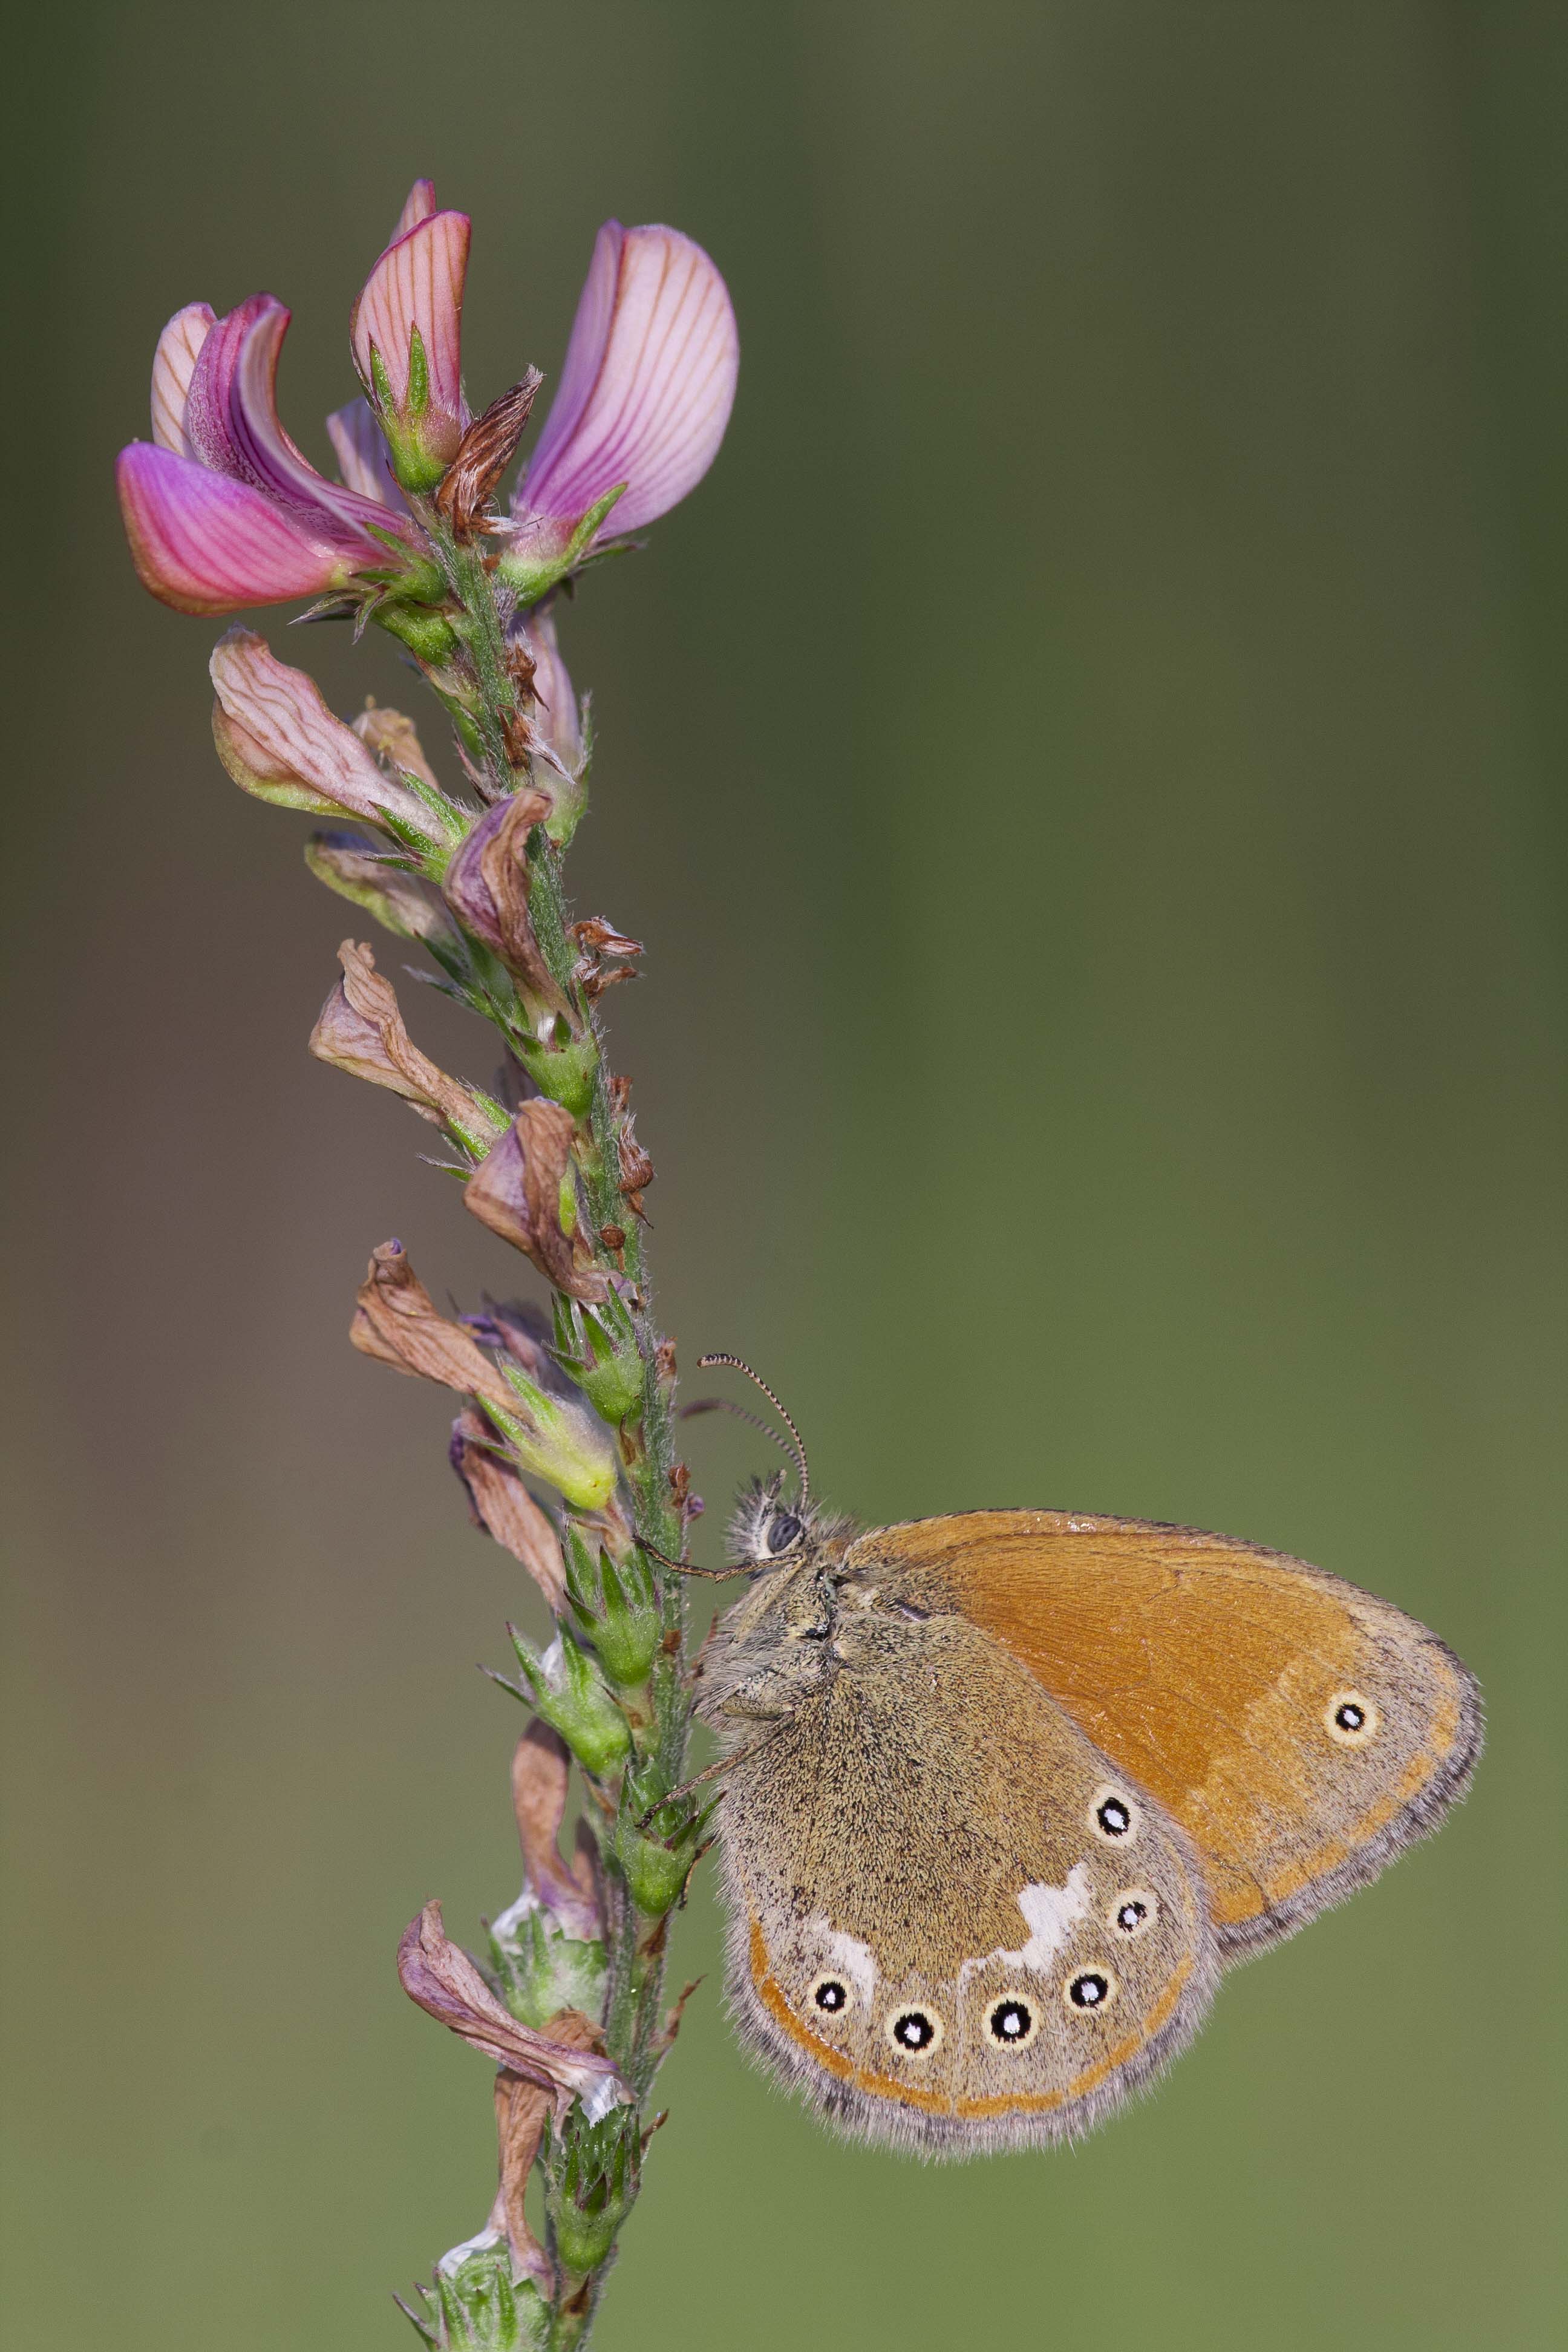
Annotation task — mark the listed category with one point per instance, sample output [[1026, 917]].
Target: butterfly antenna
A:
[[723, 1404], [739, 1364]]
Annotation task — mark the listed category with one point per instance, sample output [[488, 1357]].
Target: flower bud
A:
[[615, 1604], [597, 1347], [556, 1440], [487, 886], [406, 331], [563, 1688], [500, 1504], [524, 1191], [591, 2191], [361, 1030], [371, 878], [280, 743]]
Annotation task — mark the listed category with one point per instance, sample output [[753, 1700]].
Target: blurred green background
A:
[[1088, 765]]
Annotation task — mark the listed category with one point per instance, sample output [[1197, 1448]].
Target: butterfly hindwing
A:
[[955, 1924]]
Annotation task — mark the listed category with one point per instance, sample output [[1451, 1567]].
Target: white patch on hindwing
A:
[[1051, 1912], [847, 1952]]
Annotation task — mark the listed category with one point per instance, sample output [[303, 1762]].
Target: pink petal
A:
[[649, 384], [204, 544], [418, 206], [232, 422], [418, 282], [362, 456], [173, 363], [557, 721]]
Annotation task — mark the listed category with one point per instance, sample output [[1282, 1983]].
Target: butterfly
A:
[[1006, 1792]]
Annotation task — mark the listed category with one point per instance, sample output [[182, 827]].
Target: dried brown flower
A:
[[396, 1320], [483, 455], [563, 2063], [539, 1777], [394, 741], [500, 1504], [518, 1192], [487, 888], [636, 1168], [361, 1030]]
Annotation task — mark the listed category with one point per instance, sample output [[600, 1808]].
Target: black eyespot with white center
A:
[[1134, 1910], [784, 1529], [914, 2031], [830, 1995], [1351, 1718], [1011, 2022], [1091, 1990], [1113, 1815]]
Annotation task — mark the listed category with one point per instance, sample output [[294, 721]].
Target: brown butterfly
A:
[[1006, 1792]]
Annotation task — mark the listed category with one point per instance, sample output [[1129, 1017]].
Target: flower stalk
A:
[[575, 1398]]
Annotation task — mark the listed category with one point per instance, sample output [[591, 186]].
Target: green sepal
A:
[[617, 1608], [541, 1969], [563, 1072], [475, 2305], [598, 1348], [532, 580], [430, 637], [657, 1866], [556, 1439], [563, 1687], [592, 2177]]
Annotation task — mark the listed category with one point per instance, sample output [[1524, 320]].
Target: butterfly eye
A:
[[784, 1529], [831, 1995], [914, 2031], [1113, 1815], [1091, 1989], [1134, 1910], [1012, 2024], [1350, 1719]]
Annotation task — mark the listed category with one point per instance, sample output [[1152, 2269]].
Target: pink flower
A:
[[644, 398], [223, 511], [221, 508]]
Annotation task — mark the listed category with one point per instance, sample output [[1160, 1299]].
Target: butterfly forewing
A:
[[1299, 1731]]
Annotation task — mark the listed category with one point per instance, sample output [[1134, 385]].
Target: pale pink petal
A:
[[361, 454], [232, 422], [173, 363], [649, 384], [418, 205], [418, 282], [204, 544], [287, 737]]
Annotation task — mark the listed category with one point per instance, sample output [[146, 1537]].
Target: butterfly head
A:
[[768, 1528]]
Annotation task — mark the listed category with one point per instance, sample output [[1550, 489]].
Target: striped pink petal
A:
[[174, 363], [276, 737], [361, 453], [649, 384], [418, 283], [233, 426], [206, 543], [418, 206]]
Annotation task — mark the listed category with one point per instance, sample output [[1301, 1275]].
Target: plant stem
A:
[[482, 695]]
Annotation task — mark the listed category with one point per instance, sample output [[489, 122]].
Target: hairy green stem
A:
[[481, 693]]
